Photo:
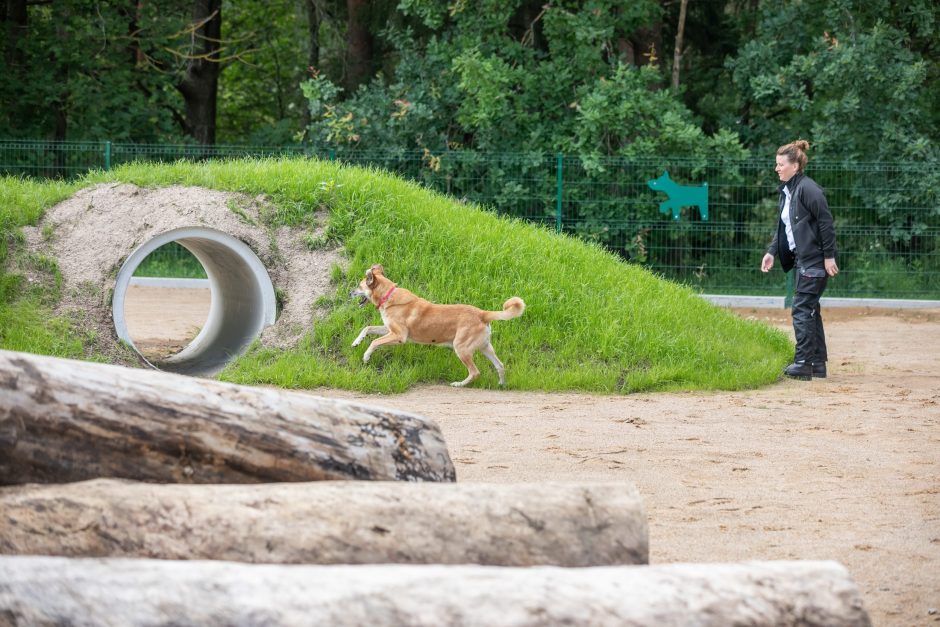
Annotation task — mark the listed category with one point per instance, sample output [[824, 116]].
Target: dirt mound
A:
[[93, 232]]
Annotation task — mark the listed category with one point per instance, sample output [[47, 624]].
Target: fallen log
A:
[[64, 420], [50, 590], [331, 522]]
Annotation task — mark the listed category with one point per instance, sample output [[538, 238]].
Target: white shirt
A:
[[785, 216]]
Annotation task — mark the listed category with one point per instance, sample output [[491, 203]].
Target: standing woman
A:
[[805, 239]]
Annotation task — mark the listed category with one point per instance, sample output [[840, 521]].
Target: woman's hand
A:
[[768, 262], [831, 268]]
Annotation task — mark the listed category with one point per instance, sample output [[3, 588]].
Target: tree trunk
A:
[[55, 590], [16, 20], [314, 19], [358, 45], [526, 24], [63, 420], [200, 84], [133, 11], [331, 522], [677, 55]]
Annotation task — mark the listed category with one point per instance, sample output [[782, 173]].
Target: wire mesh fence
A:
[[887, 214]]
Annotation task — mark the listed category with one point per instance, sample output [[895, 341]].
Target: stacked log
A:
[[331, 522], [63, 420], [48, 590]]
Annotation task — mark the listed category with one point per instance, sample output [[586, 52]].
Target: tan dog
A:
[[410, 318]]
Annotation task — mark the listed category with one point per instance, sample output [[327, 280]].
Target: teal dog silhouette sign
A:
[[680, 196]]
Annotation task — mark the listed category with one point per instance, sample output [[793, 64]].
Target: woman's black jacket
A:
[[812, 224]]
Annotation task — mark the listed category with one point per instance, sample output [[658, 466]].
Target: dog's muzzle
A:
[[363, 298]]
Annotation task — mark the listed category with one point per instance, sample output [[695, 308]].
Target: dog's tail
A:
[[512, 308]]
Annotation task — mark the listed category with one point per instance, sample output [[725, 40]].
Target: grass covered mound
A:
[[592, 322], [30, 284]]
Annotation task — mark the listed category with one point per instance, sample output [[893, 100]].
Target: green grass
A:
[[26, 319], [592, 322], [171, 261]]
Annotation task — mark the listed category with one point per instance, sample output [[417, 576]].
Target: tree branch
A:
[[677, 55]]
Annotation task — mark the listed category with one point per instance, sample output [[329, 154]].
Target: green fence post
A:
[[788, 298], [107, 155], [558, 189], [332, 154]]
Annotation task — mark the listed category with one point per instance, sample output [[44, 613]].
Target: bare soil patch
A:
[[846, 468]]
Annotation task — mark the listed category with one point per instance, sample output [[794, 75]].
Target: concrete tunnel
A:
[[243, 300]]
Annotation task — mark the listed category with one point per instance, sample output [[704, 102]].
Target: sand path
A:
[[846, 468]]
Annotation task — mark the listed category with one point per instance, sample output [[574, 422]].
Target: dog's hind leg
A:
[[369, 331], [466, 356], [490, 354]]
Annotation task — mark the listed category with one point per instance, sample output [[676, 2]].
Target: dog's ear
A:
[[370, 278], [378, 269]]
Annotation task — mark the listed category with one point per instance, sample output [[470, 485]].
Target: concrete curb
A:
[[167, 283], [776, 302]]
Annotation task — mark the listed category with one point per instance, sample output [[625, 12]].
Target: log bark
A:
[[331, 522], [64, 420], [51, 590]]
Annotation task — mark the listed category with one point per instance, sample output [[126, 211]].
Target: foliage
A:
[[477, 83], [172, 261], [259, 99], [78, 74], [455, 81], [624, 115], [858, 79], [851, 79]]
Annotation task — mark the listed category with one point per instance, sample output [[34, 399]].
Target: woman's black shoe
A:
[[799, 370], [819, 370]]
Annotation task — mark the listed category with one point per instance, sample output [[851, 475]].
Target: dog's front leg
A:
[[369, 331], [391, 338]]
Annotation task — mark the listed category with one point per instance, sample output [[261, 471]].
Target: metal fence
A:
[[887, 214]]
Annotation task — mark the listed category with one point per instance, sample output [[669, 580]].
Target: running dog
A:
[[408, 317]]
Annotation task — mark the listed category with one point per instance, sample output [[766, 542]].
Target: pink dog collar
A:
[[385, 298]]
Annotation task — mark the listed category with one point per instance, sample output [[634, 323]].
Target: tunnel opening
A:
[[242, 299], [167, 302]]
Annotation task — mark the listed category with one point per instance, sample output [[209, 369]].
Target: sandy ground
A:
[[162, 321], [846, 468]]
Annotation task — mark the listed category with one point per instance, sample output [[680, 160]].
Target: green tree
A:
[[77, 72], [260, 101], [136, 71], [854, 78], [497, 76]]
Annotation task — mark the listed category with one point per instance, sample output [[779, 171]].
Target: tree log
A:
[[64, 420], [55, 590], [332, 522]]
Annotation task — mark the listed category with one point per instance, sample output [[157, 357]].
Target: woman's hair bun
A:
[[802, 144]]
